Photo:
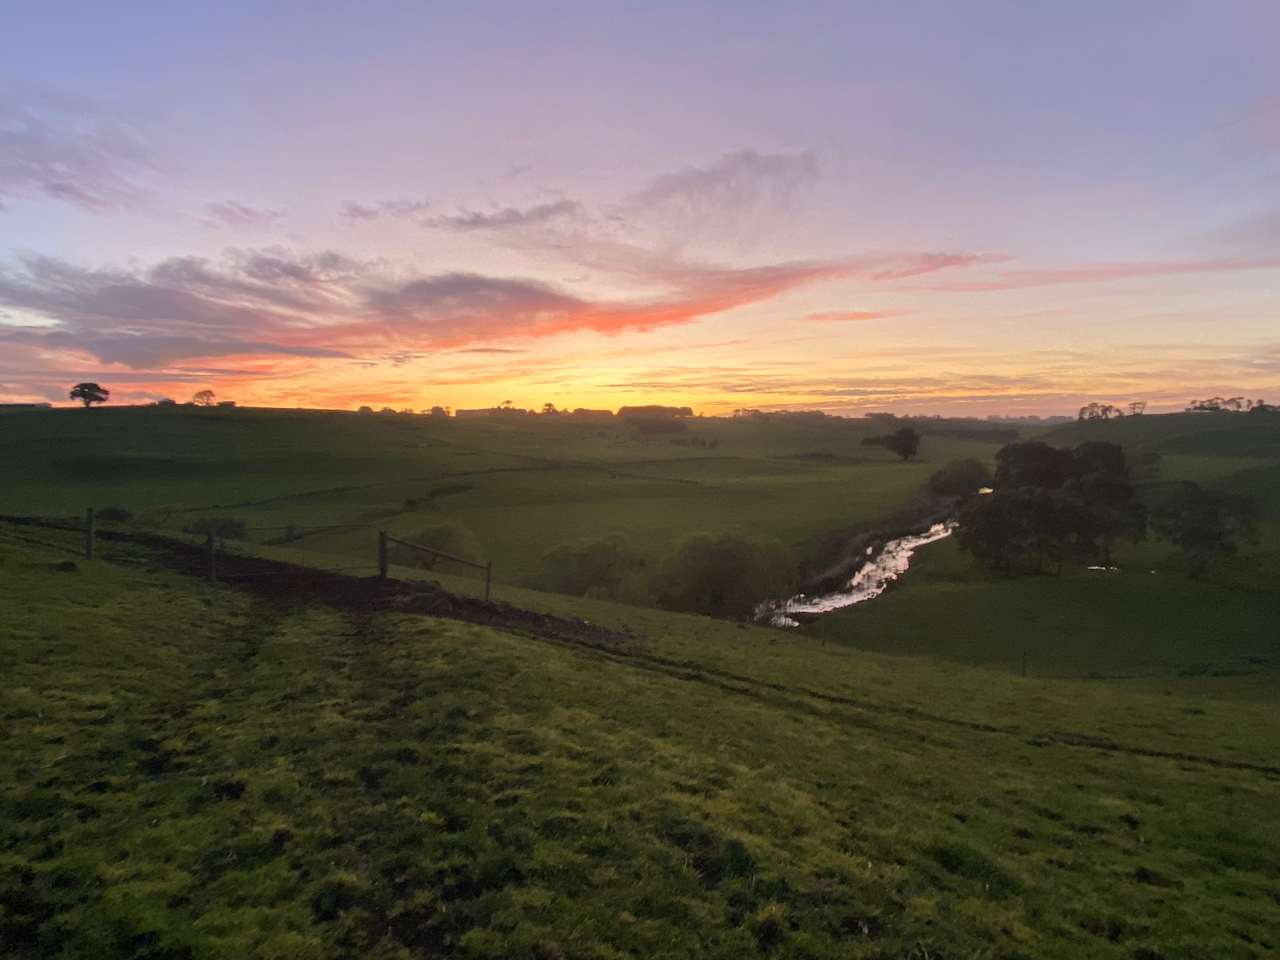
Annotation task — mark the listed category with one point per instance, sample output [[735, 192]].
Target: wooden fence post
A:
[[488, 577], [211, 544], [89, 531], [382, 554]]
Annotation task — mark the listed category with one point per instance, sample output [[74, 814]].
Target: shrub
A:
[[114, 514], [723, 575], [608, 568], [960, 478]]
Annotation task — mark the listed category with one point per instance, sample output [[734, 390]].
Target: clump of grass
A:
[[769, 926], [974, 865]]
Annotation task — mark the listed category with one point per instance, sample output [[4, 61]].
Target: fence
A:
[[215, 544], [384, 539]]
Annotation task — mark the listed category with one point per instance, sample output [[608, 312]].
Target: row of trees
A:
[[1231, 405], [90, 393], [1107, 411], [1052, 505]]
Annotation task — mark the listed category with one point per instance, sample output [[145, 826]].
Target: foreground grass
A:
[[197, 773]]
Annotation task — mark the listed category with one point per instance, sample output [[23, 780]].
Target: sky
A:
[[941, 208]]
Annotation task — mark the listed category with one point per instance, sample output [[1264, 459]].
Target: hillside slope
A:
[[210, 771]]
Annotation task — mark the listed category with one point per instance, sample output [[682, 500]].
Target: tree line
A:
[[1054, 505]]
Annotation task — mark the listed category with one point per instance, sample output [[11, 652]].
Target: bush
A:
[[723, 575], [609, 568], [114, 514], [960, 478], [226, 528]]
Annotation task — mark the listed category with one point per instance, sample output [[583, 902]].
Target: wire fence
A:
[[224, 555]]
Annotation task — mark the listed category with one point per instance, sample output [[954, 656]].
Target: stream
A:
[[871, 580]]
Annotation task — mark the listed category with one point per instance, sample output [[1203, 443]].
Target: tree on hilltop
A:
[[89, 394]]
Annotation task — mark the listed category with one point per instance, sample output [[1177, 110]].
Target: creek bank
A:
[[879, 569]]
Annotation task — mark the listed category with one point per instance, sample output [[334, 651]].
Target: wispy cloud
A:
[[849, 316], [327, 305], [232, 213], [1101, 272], [507, 218], [69, 151], [401, 208], [741, 179]]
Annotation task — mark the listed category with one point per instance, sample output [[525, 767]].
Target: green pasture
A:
[[198, 773], [513, 489]]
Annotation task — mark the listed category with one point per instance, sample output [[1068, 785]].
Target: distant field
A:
[[202, 771], [514, 490]]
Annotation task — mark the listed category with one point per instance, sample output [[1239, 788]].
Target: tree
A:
[[1052, 503], [203, 398], [960, 478], [1032, 463], [89, 394], [723, 575], [549, 409], [1109, 507], [1017, 531], [1099, 411], [365, 410], [608, 568], [1137, 408], [904, 442], [1204, 525]]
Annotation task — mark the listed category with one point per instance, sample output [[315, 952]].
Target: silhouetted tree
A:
[[203, 398], [1099, 411], [1110, 509], [1017, 531], [548, 409], [1204, 525], [904, 442], [960, 478], [1051, 504], [90, 393], [1137, 408], [1032, 463]]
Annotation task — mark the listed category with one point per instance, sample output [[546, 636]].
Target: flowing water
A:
[[871, 580]]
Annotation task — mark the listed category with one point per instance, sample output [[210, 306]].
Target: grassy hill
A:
[[238, 770], [280, 766], [509, 490]]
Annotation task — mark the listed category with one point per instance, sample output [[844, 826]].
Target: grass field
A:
[[245, 770], [513, 489], [205, 772]]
